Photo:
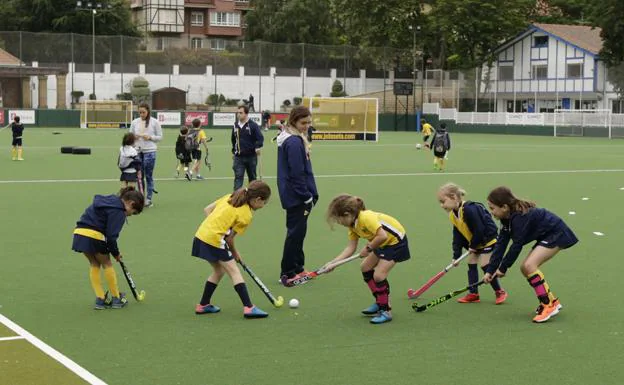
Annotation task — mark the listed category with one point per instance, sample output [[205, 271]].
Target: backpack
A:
[[440, 142], [190, 142]]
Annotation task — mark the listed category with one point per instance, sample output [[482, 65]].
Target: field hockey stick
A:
[[140, 182], [139, 296], [277, 302], [413, 294], [207, 160], [313, 274], [444, 298]]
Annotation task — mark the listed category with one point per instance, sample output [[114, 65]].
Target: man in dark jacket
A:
[[247, 140]]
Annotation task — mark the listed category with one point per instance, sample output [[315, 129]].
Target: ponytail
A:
[[256, 189], [503, 195], [130, 194], [341, 205]]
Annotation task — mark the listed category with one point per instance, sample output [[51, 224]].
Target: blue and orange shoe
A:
[[254, 312], [383, 317], [119, 302], [206, 309], [372, 310]]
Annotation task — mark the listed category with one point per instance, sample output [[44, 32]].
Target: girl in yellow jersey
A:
[[387, 246], [214, 241], [474, 230]]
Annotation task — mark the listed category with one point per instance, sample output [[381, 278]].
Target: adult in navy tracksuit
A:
[[247, 140], [297, 189]]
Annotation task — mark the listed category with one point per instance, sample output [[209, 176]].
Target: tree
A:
[[62, 16], [291, 21], [609, 16], [140, 90], [474, 28], [615, 76], [337, 90]]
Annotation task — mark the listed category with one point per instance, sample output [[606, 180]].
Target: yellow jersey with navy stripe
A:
[[427, 129], [368, 222], [224, 219], [474, 227]]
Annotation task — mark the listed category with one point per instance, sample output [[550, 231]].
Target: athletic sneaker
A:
[[100, 304], [177, 174], [254, 312], [501, 296], [148, 203], [188, 176], [205, 309], [372, 310], [119, 302], [547, 311], [469, 298], [555, 301], [383, 317], [199, 177]]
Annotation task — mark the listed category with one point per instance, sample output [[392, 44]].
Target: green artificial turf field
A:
[[44, 286]]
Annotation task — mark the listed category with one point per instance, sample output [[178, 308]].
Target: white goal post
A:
[[106, 114], [575, 122]]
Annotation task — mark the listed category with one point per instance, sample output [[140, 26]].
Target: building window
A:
[[540, 72], [196, 43], [505, 73], [217, 44], [575, 71], [161, 44], [540, 41], [197, 19], [225, 19]]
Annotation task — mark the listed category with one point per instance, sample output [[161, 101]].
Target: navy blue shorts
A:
[[16, 142], [196, 154], [562, 238], [210, 253], [128, 177], [397, 253], [88, 245]]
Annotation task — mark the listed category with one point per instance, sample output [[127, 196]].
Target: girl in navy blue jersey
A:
[[96, 236], [522, 223]]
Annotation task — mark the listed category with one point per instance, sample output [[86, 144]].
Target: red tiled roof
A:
[[582, 36], [8, 59]]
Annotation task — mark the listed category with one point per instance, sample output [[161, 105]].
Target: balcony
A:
[[242, 5]]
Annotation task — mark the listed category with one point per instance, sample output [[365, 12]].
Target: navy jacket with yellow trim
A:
[[534, 225], [107, 215], [481, 225]]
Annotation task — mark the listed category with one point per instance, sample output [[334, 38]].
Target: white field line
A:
[[11, 338], [47, 349], [329, 176]]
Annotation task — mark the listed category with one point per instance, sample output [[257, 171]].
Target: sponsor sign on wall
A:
[[169, 118], [26, 116], [192, 115]]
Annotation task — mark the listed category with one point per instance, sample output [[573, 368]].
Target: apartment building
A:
[[195, 24]]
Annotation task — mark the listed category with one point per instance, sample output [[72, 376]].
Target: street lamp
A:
[[414, 53], [93, 7]]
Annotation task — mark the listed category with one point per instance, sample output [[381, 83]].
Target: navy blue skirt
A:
[[397, 253], [128, 177], [88, 245], [210, 253], [562, 238]]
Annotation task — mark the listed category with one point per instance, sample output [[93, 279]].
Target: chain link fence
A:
[[295, 69]]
